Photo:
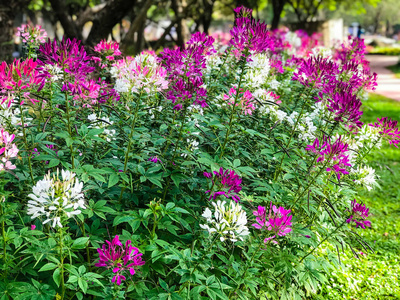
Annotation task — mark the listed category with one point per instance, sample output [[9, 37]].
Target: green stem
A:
[[278, 170], [327, 237], [248, 266], [62, 264], [128, 149], [26, 146], [176, 148], [232, 114], [3, 234], [69, 129], [87, 247], [310, 184]]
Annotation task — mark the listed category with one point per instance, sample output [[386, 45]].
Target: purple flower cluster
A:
[[388, 130], [359, 215], [155, 159], [250, 35], [227, 183], [120, 258], [185, 70], [346, 108], [278, 221], [315, 71], [69, 56], [333, 154]]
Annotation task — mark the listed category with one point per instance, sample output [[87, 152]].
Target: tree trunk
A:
[[206, 17], [107, 18], [6, 34], [137, 25], [181, 28], [277, 8], [7, 15]]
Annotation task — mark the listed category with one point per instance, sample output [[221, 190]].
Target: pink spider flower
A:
[[388, 130], [32, 35], [119, 258], [70, 57], [278, 221], [155, 159], [359, 215], [244, 101], [107, 51], [141, 73], [227, 183], [333, 154], [8, 150], [16, 80]]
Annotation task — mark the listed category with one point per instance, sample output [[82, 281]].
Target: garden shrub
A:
[[212, 171]]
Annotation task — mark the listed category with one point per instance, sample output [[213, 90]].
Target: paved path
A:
[[388, 84]]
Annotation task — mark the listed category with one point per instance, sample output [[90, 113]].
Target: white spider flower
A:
[[365, 177], [229, 221], [258, 70], [56, 199]]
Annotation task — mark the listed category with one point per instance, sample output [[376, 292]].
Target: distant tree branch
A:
[[69, 26]]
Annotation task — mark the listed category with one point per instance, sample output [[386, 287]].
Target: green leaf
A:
[[113, 180], [80, 243], [288, 176], [47, 267], [163, 284], [236, 163], [57, 277], [83, 285]]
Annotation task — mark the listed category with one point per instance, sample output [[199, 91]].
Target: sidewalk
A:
[[388, 84]]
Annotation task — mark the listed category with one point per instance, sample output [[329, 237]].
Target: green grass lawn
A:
[[395, 69], [375, 276]]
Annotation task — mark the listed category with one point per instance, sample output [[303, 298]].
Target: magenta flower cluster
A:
[[71, 58], [278, 220], [185, 71], [120, 258], [16, 80], [226, 183], [332, 154], [388, 130], [359, 215]]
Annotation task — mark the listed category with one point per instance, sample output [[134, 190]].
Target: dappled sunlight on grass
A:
[[375, 275]]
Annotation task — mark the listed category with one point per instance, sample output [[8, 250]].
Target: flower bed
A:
[[210, 171]]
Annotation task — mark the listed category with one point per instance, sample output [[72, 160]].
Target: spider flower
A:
[[244, 100], [55, 199], [141, 73], [359, 215], [227, 183], [333, 154], [346, 108], [107, 52], [250, 35], [71, 58], [16, 80], [229, 221], [155, 159], [278, 221], [120, 258], [185, 70], [315, 71], [8, 150], [388, 130], [32, 35]]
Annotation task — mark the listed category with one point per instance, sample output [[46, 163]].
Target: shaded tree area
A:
[[178, 18], [8, 12]]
